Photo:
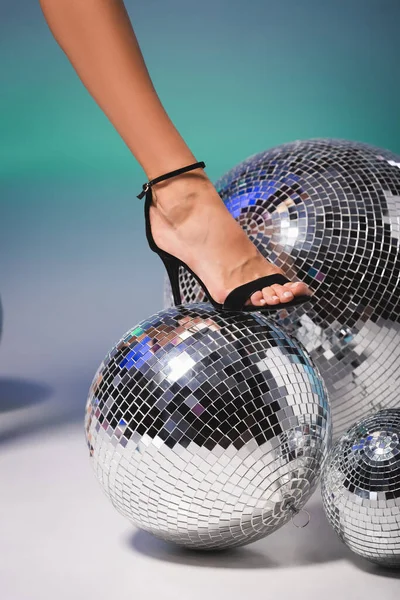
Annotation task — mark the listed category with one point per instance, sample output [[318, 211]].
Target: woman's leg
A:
[[188, 219]]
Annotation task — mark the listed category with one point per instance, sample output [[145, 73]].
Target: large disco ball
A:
[[207, 429], [361, 488], [328, 213]]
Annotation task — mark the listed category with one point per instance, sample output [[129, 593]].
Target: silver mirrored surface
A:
[[328, 213], [361, 488], [208, 429]]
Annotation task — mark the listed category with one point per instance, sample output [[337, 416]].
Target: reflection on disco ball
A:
[[208, 429], [361, 488], [328, 213]]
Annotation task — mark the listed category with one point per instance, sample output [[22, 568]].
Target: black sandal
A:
[[236, 299]]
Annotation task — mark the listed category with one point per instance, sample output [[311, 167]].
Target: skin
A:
[[188, 218]]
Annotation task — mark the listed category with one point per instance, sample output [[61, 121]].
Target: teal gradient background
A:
[[235, 77]]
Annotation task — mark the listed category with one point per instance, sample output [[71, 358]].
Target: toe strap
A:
[[238, 297]]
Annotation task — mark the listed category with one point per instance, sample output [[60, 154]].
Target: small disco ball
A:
[[361, 488], [327, 212], [208, 429]]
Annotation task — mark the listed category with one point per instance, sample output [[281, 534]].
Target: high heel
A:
[[172, 268], [237, 298]]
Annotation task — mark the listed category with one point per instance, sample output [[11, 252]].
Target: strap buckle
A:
[[146, 187]]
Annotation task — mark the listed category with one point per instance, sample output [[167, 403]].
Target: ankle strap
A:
[[147, 185]]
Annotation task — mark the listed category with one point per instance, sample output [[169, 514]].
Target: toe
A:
[[269, 296], [284, 294], [257, 299], [298, 288]]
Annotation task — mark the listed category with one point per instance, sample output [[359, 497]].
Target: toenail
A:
[[287, 294], [275, 297], [262, 301]]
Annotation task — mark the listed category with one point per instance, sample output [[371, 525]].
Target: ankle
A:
[[181, 192]]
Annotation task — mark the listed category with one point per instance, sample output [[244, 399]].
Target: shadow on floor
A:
[[54, 407], [20, 393], [288, 547], [373, 569]]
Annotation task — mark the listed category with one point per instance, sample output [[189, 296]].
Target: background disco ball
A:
[[207, 429], [328, 213], [361, 488]]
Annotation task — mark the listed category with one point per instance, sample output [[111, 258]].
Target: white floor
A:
[[62, 539]]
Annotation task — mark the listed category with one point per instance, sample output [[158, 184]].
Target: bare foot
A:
[[190, 221]]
